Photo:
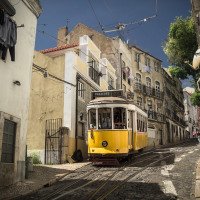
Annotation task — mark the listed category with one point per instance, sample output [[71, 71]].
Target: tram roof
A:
[[112, 100]]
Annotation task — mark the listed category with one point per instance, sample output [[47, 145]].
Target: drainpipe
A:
[[76, 113], [120, 62]]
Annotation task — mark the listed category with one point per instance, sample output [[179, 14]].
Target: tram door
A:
[[130, 128]]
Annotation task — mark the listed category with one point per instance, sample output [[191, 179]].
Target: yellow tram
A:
[[116, 127]]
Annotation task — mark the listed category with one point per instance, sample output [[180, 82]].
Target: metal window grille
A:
[[8, 144], [81, 90]]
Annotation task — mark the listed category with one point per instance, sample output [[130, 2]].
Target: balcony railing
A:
[[94, 75], [152, 115]]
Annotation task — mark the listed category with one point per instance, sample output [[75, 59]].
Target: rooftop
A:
[[67, 46]]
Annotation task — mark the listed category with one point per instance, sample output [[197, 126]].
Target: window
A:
[[156, 66], [141, 123], [110, 82], [81, 89], [149, 104], [148, 82], [148, 85], [119, 118], [124, 75], [137, 57], [147, 61], [129, 81], [8, 143], [130, 119], [157, 88], [92, 118], [138, 81], [94, 70], [105, 118], [139, 101]]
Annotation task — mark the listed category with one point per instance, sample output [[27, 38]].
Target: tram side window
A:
[[141, 123], [92, 118], [119, 118], [105, 119]]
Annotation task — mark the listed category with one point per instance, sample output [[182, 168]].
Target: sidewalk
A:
[[42, 175]]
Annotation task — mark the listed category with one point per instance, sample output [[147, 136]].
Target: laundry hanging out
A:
[[8, 35]]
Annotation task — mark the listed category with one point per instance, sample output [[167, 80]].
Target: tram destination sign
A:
[[109, 93]]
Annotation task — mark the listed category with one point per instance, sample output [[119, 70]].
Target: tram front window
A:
[[92, 118], [119, 118], [105, 119]]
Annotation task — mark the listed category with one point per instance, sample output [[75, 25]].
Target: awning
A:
[[7, 6]]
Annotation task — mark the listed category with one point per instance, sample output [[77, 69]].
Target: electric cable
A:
[[96, 16]]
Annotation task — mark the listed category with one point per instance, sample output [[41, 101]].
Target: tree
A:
[[180, 48]]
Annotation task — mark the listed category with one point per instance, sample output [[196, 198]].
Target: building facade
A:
[[174, 108], [15, 78], [62, 81], [191, 113], [140, 74]]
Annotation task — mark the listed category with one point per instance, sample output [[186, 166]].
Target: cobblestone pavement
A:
[[169, 179], [41, 175], [174, 181]]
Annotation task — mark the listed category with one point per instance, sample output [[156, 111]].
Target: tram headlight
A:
[[104, 143]]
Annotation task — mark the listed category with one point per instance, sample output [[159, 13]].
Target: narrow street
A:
[[167, 173]]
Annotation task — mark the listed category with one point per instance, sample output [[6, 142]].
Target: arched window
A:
[[148, 82], [148, 85], [157, 88]]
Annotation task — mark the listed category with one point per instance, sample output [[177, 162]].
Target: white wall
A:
[[14, 99]]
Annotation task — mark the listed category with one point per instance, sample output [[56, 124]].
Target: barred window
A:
[[8, 144], [81, 90]]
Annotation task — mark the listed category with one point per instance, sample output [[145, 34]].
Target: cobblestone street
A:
[[152, 177]]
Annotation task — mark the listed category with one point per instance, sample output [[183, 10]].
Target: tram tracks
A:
[[101, 184], [70, 187], [132, 176]]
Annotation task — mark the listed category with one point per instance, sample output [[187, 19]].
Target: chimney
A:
[[62, 33]]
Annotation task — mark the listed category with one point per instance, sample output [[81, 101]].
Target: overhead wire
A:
[[96, 16], [111, 12]]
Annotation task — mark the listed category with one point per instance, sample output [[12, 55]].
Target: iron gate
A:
[[56, 142]]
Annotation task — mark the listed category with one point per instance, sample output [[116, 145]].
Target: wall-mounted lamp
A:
[[16, 83]]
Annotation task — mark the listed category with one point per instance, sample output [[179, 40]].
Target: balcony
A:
[[94, 74], [152, 115], [138, 87], [148, 91]]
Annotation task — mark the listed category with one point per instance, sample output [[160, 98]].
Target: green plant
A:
[[36, 158]]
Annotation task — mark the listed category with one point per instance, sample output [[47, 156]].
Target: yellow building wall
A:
[[46, 100]]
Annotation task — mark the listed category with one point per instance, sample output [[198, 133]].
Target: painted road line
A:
[[191, 152], [164, 172], [178, 159], [169, 188]]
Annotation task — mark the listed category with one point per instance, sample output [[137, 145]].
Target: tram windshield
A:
[[92, 118], [105, 118], [119, 118]]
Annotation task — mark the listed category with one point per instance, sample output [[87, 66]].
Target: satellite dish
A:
[[196, 60]]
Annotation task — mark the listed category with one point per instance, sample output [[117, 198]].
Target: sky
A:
[[149, 36]]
